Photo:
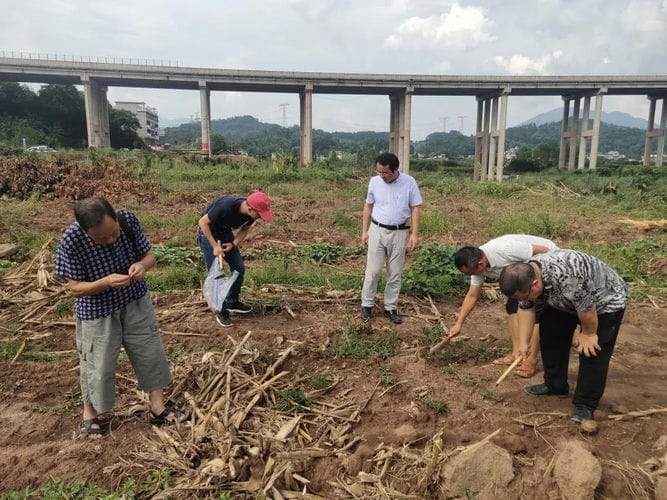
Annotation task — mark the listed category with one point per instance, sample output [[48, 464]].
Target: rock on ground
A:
[[576, 470], [487, 468]]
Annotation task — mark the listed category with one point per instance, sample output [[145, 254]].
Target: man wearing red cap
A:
[[216, 238]]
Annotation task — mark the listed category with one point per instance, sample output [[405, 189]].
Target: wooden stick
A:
[[642, 413], [18, 353], [509, 370], [439, 345]]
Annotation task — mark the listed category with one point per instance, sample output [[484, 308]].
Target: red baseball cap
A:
[[260, 202]]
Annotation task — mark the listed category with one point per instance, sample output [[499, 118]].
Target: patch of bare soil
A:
[[37, 443]]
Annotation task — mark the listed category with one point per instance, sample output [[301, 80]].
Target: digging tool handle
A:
[[220, 257], [439, 345], [509, 370]]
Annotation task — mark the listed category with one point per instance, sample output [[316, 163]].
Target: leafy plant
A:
[[440, 407], [433, 273]]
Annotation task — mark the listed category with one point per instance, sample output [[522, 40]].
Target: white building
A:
[[147, 117]]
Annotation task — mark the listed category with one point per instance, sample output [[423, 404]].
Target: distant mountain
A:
[[262, 139], [613, 118], [172, 122]]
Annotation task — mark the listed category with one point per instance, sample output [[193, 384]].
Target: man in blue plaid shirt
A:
[[104, 256]]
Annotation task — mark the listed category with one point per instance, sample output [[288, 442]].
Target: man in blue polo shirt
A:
[[393, 198], [104, 256]]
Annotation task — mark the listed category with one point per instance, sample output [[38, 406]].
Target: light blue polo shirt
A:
[[392, 202]]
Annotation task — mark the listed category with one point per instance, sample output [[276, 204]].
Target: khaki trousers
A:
[[384, 245]]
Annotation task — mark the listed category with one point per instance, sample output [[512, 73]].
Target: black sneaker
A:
[[582, 413], [543, 390], [239, 307], [224, 319], [393, 316], [366, 313]]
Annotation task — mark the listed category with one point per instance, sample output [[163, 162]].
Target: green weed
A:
[[293, 401], [458, 352], [321, 380], [433, 273], [438, 406], [175, 277], [386, 376], [357, 343]]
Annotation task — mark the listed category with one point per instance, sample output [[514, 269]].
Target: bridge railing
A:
[[42, 56]]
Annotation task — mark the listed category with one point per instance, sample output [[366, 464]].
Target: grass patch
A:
[[357, 344], [433, 273], [71, 405], [175, 278], [293, 400], [321, 380], [475, 350], [386, 376], [439, 406]]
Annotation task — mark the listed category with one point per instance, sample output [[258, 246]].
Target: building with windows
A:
[[147, 117]]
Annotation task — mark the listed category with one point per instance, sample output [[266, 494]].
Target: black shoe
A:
[[224, 319], [366, 313], [239, 307], [543, 390], [582, 413], [393, 316]]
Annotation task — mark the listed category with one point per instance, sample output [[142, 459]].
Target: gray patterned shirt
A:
[[574, 282]]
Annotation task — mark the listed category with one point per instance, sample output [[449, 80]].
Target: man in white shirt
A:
[[489, 260], [393, 199]]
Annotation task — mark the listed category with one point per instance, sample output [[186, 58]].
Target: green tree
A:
[[62, 110], [218, 144], [123, 126]]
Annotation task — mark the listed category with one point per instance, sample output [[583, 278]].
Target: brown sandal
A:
[[526, 370], [507, 360]]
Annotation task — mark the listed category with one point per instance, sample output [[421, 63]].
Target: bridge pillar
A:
[[306, 124], [592, 133], [400, 117], [571, 133], [658, 133], [568, 133], [490, 136], [97, 113], [205, 113]]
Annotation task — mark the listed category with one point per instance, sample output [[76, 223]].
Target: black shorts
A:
[[512, 307]]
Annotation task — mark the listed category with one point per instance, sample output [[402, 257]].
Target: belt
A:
[[391, 227]]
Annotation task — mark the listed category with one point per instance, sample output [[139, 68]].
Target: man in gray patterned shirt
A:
[[577, 288]]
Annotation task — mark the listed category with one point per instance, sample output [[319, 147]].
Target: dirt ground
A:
[[37, 444]]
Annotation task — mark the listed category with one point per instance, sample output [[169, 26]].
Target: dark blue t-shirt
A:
[[224, 216]]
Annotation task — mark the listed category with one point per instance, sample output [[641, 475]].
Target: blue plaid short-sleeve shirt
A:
[[79, 258]]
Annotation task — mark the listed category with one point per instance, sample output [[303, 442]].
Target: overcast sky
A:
[[485, 37]]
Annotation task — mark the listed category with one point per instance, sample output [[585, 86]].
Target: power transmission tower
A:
[[461, 118], [194, 117], [444, 122], [284, 106]]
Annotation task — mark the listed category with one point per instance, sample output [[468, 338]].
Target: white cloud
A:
[[522, 65], [460, 27], [645, 16]]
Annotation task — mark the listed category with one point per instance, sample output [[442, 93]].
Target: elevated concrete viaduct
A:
[[491, 92]]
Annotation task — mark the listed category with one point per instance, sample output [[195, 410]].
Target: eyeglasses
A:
[[384, 174]]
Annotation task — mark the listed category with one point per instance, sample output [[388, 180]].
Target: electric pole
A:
[[461, 124], [284, 106], [444, 122]]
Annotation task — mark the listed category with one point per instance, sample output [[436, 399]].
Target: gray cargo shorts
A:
[[99, 341]]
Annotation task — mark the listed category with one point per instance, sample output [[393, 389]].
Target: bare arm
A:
[[205, 226], [526, 319], [366, 222], [539, 249], [414, 227], [586, 341], [469, 303]]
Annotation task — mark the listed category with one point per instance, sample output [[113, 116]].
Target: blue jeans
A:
[[235, 261]]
